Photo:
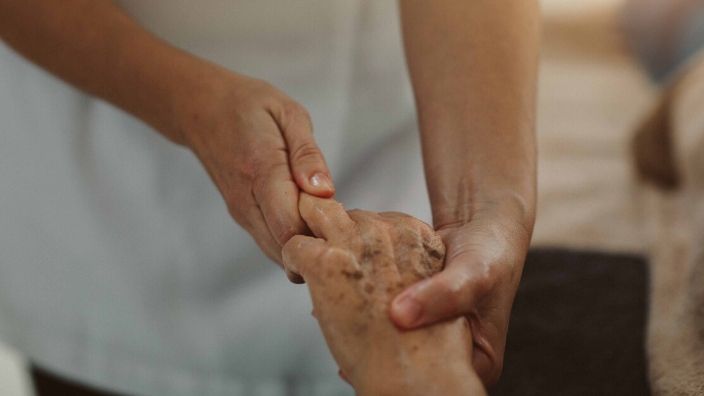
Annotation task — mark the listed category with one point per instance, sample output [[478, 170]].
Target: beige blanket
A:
[[593, 99], [591, 96], [670, 152]]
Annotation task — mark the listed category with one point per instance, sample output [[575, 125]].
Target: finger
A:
[[277, 196], [489, 339], [343, 376], [247, 214], [294, 277], [449, 294], [452, 293], [300, 252], [307, 163], [259, 230], [428, 253], [327, 218], [486, 368]]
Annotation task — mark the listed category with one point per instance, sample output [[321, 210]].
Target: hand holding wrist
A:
[[256, 144]]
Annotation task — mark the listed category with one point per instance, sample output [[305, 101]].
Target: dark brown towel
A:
[[578, 326]]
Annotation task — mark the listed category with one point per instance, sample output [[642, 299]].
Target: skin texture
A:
[[473, 69], [255, 142], [354, 266]]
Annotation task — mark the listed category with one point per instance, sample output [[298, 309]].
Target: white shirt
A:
[[119, 265]]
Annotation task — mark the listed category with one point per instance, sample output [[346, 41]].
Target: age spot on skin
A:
[[433, 252], [369, 253], [360, 329], [340, 297], [356, 275]]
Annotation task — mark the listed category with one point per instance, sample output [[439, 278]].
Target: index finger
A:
[[326, 217], [276, 194]]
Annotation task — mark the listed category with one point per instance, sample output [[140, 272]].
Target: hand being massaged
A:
[[355, 265]]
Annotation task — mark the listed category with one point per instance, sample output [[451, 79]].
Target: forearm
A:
[[473, 66], [95, 46]]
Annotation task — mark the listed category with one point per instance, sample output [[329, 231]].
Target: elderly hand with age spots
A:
[[355, 265]]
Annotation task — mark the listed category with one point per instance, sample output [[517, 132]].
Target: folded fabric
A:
[[675, 223]]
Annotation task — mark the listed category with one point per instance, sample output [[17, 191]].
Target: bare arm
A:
[[255, 142], [473, 66], [95, 46]]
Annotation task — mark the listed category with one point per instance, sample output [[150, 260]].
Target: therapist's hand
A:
[[255, 142], [257, 145], [483, 267]]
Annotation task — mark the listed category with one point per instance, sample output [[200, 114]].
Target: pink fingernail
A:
[[320, 180], [408, 310]]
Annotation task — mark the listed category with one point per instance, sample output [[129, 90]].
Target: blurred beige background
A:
[[591, 95]]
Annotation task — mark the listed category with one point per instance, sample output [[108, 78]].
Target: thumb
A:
[[449, 294], [305, 158]]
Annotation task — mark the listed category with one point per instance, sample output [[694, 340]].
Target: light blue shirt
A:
[[119, 265]]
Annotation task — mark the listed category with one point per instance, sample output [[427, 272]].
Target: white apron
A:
[[119, 265]]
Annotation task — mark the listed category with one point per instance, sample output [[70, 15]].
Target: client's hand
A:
[[357, 265]]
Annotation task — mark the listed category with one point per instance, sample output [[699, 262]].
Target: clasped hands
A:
[[257, 145], [355, 265]]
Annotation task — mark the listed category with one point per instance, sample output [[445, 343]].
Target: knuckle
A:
[[337, 258], [306, 151], [270, 251], [451, 293], [338, 254], [259, 183], [487, 276], [483, 283], [460, 290], [327, 255], [293, 111], [260, 89], [489, 363], [234, 210], [494, 372], [262, 180], [248, 105], [248, 167], [295, 242], [252, 161], [284, 233], [498, 369], [460, 282]]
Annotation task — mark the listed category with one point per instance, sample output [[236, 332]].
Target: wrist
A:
[[439, 382], [148, 78], [506, 206], [164, 86], [195, 99], [439, 368], [191, 94]]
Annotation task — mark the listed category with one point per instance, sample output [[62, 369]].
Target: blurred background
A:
[[603, 63]]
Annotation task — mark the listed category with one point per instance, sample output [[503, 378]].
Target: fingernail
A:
[[408, 310], [320, 180]]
